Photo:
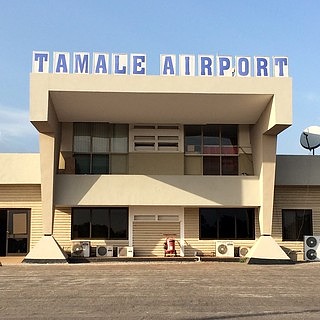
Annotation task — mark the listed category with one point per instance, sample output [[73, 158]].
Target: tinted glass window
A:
[[211, 139], [100, 164], [211, 165], [99, 223], [229, 165], [82, 164], [229, 135], [225, 223], [193, 139], [120, 138], [118, 223], [93, 145], [100, 138], [81, 223], [208, 223], [218, 141], [296, 223], [82, 137]]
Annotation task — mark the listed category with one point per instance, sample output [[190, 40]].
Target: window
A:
[[296, 223], [226, 223], [99, 223], [217, 145], [155, 138], [100, 148]]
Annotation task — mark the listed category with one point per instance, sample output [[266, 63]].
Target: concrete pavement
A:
[[167, 290], [11, 260]]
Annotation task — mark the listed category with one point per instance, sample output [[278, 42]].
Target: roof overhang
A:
[[130, 107], [157, 99]]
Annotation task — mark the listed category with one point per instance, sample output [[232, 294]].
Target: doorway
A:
[[14, 231]]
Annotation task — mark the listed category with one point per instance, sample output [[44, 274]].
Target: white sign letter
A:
[[61, 62], [40, 62], [100, 63], [187, 65], [168, 65], [206, 65]]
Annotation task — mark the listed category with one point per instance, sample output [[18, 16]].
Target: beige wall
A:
[[14, 196], [295, 197], [156, 163], [62, 227], [20, 168], [20, 188], [234, 191]]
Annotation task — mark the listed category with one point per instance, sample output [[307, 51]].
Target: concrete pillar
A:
[[267, 179], [264, 142], [47, 250], [47, 163]]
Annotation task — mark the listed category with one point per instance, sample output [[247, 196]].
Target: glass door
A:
[[18, 231]]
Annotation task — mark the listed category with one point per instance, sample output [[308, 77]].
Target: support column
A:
[[47, 250], [265, 250]]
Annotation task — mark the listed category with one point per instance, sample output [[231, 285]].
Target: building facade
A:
[[130, 160]]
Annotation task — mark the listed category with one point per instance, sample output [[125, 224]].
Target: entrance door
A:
[[14, 232]]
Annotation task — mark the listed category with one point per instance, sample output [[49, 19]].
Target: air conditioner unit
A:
[[243, 250], [125, 251], [104, 251], [224, 248], [80, 249], [311, 248]]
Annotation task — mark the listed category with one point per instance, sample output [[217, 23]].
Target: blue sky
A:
[[237, 28]]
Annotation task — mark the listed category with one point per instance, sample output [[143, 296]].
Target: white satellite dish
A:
[[310, 138]]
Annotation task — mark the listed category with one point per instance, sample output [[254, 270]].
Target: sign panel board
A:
[[170, 64]]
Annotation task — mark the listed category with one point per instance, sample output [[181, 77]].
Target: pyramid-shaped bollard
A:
[[267, 251], [47, 250]]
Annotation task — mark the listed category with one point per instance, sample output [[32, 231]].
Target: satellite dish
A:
[[310, 138]]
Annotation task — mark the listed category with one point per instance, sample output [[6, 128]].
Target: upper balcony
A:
[[157, 190]]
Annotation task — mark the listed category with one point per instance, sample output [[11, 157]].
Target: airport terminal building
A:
[[127, 161]]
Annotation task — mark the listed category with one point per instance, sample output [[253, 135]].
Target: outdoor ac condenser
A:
[[104, 251], [311, 248], [224, 248], [80, 249], [243, 250], [125, 251]]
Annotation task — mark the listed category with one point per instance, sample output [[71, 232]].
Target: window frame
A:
[[217, 215], [155, 138], [296, 212], [217, 149], [109, 152], [110, 212]]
